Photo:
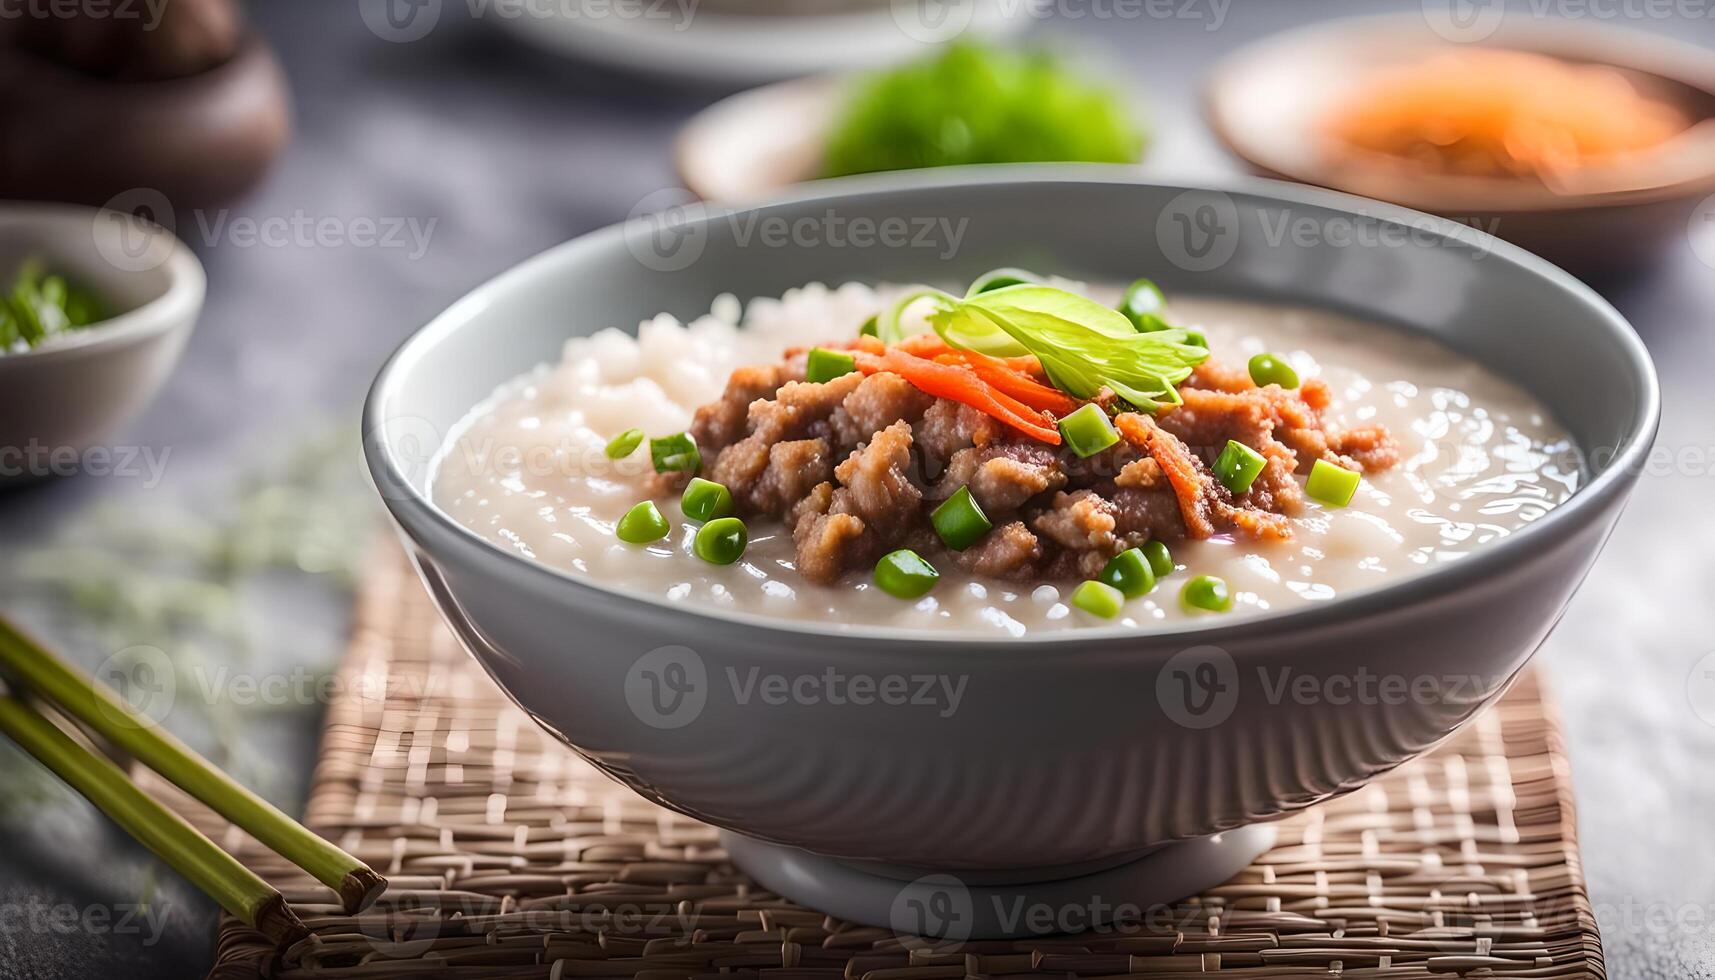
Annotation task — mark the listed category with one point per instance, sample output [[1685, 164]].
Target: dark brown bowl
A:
[[200, 140]]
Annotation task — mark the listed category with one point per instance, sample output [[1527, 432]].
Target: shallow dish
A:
[[1266, 101], [682, 40], [69, 393], [1070, 756]]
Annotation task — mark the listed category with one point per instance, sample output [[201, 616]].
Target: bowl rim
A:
[[1662, 56], [412, 508], [187, 285]]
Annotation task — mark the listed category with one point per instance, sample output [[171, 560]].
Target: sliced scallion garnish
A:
[[959, 521], [1238, 466], [676, 453], [1098, 599], [904, 574], [1129, 572], [1330, 484], [1206, 592], [1087, 431], [822, 365], [624, 444], [705, 500]]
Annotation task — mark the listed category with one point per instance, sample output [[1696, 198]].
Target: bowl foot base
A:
[[946, 905]]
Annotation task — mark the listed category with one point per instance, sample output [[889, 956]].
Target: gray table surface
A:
[[510, 151]]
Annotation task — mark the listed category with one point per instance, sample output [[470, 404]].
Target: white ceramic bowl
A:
[[1069, 749], [75, 390]]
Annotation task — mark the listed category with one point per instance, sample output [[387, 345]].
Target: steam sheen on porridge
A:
[[833, 479]]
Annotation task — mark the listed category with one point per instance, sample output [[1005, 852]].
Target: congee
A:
[[1020, 456]]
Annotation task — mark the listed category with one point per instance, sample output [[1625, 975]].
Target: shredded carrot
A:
[[957, 382], [931, 345], [1014, 382]]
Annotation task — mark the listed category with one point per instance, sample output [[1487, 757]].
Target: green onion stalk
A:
[[30, 666], [213, 871]]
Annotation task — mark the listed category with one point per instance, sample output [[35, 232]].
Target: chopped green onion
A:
[[642, 524], [1206, 592], [1238, 466], [675, 453], [870, 327], [1000, 279], [1088, 431], [905, 575], [1160, 559], [721, 541], [1143, 305], [1097, 598], [705, 500], [1266, 369], [960, 521], [1332, 485], [825, 365], [1195, 338], [624, 444], [1129, 572]]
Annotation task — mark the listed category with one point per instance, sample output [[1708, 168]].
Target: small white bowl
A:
[[74, 390]]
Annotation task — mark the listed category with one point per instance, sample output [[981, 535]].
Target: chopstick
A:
[[34, 668], [215, 872]]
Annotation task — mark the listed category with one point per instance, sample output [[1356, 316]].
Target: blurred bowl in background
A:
[[752, 144], [1269, 103], [201, 140], [748, 42], [75, 389]]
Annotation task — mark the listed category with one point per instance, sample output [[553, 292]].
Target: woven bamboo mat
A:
[[510, 857]]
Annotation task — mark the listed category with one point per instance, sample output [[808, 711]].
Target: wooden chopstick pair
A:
[[34, 670]]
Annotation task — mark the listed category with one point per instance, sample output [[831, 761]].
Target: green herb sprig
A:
[[38, 306], [1083, 345], [975, 104]]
